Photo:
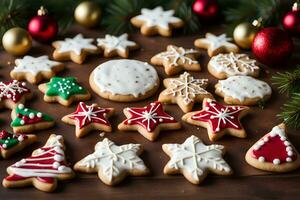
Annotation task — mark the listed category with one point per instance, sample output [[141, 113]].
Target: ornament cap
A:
[[296, 6], [257, 22], [42, 11]]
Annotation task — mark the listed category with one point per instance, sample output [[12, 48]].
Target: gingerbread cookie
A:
[[157, 21], [216, 44], [11, 143], [177, 59], [113, 163], [12, 93], [243, 90], [34, 70], [274, 152], [218, 119], [89, 117], [42, 169], [195, 160], [113, 45], [148, 121], [124, 80], [185, 91], [64, 91], [26, 120], [223, 66], [75, 49]]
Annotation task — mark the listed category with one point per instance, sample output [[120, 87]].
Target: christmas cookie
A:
[[124, 80], [218, 119], [112, 162], [89, 117], [11, 143], [177, 59], [185, 91], [216, 44], [113, 45], [243, 90], [223, 66], [25, 120], [12, 93], [148, 121], [64, 91], [42, 169], [157, 21], [195, 160], [75, 49], [34, 69], [274, 152]]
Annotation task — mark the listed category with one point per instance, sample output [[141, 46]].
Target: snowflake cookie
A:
[[185, 91], [243, 90], [89, 117], [64, 91], [75, 49], [11, 143], [148, 121], [274, 152], [34, 70], [112, 162], [195, 160], [113, 45], [157, 21], [218, 119], [42, 169], [216, 44], [223, 66], [177, 59], [13, 93]]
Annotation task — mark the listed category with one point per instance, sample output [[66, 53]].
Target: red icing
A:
[[149, 117], [27, 120], [15, 177], [211, 114], [13, 90]]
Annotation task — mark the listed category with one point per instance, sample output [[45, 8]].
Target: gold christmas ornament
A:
[[87, 14], [17, 41]]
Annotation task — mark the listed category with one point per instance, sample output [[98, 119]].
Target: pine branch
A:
[[291, 112], [288, 82]]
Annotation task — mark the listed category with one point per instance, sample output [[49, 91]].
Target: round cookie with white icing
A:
[[243, 90], [124, 80]]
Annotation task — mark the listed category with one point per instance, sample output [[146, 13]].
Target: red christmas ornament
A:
[[42, 27], [206, 9], [291, 21], [272, 46]]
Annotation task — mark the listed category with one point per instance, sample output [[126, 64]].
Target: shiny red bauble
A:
[[291, 22], [272, 46], [206, 9]]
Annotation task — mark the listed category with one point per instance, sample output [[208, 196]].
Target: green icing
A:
[[64, 87], [9, 142]]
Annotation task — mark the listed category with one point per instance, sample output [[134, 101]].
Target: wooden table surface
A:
[[246, 182]]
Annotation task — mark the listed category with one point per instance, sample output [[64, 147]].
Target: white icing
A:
[[216, 42], [12, 87], [125, 77], [242, 87]]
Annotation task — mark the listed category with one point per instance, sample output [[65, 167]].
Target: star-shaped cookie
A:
[[75, 49], [89, 117], [113, 45], [195, 160], [218, 119], [34, 70], [216, 44], [184, 91], [112, 162], [177, 59], [157, 21], [148, 121]]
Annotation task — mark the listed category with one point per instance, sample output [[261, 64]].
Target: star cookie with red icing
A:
[[89, 117], [218, 119], [274, 152], [148, 121]]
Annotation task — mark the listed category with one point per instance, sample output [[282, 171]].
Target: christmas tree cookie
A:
[[42, 169], [26, 120], [274, 152], [64, 91], [11, 143]]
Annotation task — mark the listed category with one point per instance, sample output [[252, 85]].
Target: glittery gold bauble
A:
[[244, 33], [16, 41], [87, 14]]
